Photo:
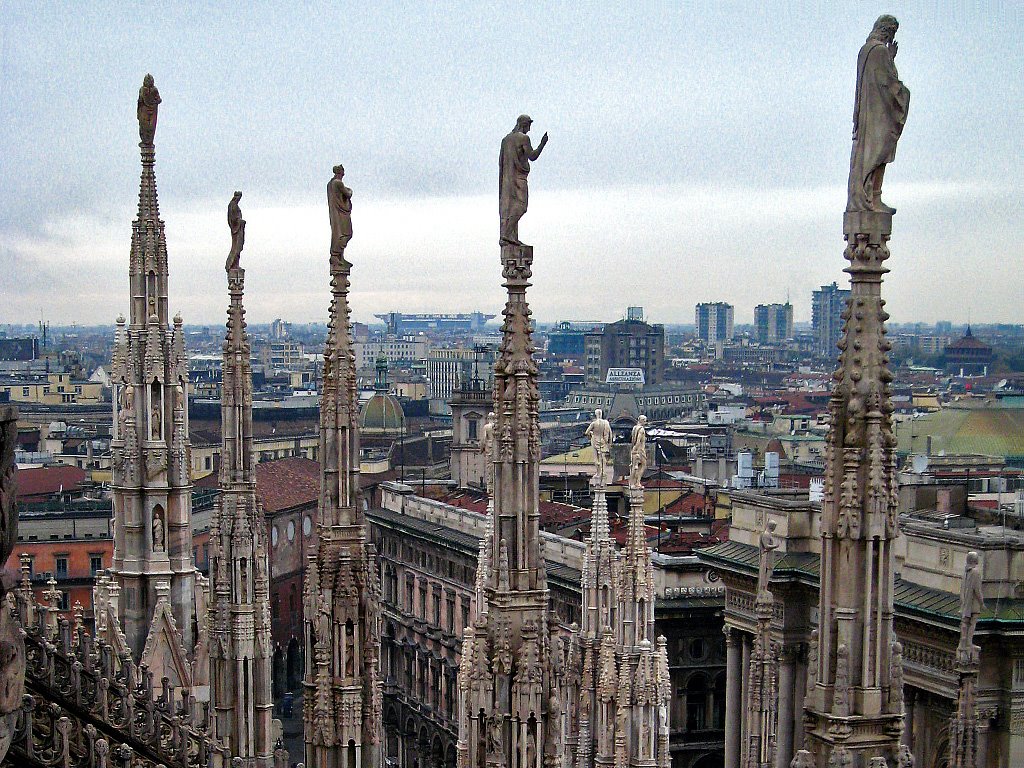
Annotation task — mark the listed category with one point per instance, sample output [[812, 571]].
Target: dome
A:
[[382, 415]]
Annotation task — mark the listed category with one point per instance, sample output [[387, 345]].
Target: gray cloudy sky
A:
[[698, 152]]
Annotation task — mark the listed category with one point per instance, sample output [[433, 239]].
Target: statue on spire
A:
[[513, 169], [149, 105], [879, 113], [339, 203], [237, 226]]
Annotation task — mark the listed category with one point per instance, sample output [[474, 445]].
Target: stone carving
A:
[[12, 636], [339, 203], [896, 679], [880, 111], [768, 544], [487, 445], [155, 420], [600, 434], [878, 762], [159, 543], [513, 169], [840, 758], [802, 759], [905, 758], [638, 452], [237, 226], [148, 106], [971, 603], [841, 693]]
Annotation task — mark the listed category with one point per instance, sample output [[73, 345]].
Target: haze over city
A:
[[697, 153]]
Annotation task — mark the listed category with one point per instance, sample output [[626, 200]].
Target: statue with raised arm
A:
[[971, 603], [600, 434], [339, 203], [237, 226], [513, 169], [879, 114], [638, 452], [768, 544], [149, 104]]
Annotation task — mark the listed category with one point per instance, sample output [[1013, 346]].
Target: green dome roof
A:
[[382, 414]]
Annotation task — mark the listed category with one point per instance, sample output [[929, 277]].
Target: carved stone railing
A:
[[87, 707]]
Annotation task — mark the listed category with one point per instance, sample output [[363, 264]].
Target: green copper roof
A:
[[909, 598], [988, 428]]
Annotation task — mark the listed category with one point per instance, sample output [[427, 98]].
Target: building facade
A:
[[827, 305], [630, 343], [713, 322], [773, 323]]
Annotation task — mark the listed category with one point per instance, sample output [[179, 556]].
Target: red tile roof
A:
[[286, 483], [40, 483]]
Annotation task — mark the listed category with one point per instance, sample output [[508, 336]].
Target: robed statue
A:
[[237, 226], [600, 433], [339, 203], [972, 601], [879, 113], [638, 452], [513, 169], [149, 104]]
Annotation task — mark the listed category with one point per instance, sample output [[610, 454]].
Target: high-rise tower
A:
[[239, 606], [342, 689], [153, 558]]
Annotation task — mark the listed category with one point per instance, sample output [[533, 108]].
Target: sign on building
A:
[[625, 376]]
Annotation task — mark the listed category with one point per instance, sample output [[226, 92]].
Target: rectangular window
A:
[[95, 564], [65, 601], [60, 566]]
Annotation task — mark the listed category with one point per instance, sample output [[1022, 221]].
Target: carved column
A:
[[12, 636], [744, 697], [733, 696], [784, 737]]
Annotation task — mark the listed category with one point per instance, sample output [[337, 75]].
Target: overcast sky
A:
[[698, 152]]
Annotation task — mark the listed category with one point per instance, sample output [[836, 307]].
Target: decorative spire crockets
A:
[[238, 622], [150, 449], [511, 710], [624, 688], [854, 712], [342, 708]]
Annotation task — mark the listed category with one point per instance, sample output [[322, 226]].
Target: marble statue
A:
[[879, 113], [768, 544], [513, 169], [237, 226], [638, 452], [339, 203], [487, 440], [971, 602], [149, 105], [905, 758], [158, 534], [600, 434]]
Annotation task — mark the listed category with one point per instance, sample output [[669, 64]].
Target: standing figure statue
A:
[[638, 452], [879, 114], [768, 544], [237, 226], [600, 434], [971, 603], [513, 170], [487, 449], [158, 534], [339, 203], [149, 105]]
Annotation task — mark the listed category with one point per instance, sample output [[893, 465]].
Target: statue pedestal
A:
[[875, 224]]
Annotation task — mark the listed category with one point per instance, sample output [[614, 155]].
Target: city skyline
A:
[[669, 156]]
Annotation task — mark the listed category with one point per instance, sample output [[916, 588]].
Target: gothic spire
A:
[[343, 696], [151, 476], [238, 621]]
